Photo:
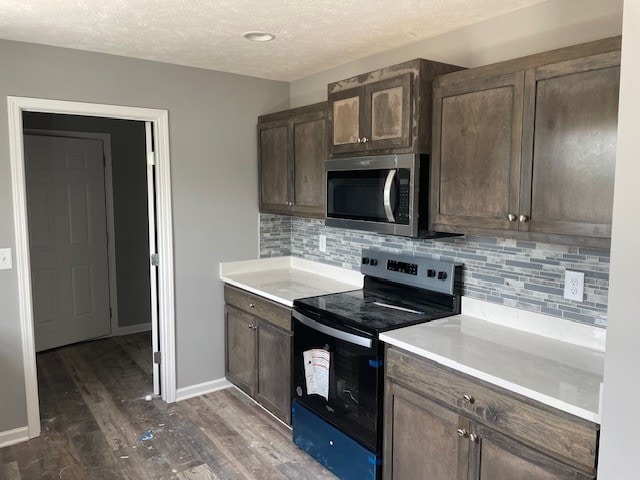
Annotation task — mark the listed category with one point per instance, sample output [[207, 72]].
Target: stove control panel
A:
[[415, 270], [402, 267]]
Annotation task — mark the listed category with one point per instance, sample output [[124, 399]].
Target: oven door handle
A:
[[387, 195], [333, 332]]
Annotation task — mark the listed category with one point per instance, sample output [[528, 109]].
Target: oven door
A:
[[354, 403]]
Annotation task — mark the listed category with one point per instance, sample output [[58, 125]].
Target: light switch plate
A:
[[574, 285], [5, 259]]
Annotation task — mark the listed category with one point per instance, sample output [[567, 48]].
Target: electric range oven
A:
[[338, 360]]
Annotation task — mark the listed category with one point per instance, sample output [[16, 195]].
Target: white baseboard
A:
[[11, 437], [202, 388], [142, 327]]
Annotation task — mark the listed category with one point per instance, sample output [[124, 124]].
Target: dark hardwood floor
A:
[[94, 414]]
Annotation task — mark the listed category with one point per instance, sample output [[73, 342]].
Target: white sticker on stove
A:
[[316, 371]]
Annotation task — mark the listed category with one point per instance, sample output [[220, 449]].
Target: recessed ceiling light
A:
[[258, 36]]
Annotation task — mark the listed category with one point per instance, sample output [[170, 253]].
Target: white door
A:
[[153, 258], [68, 239]]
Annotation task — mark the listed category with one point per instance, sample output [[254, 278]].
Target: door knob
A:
[[463, 433], [523, 218], [511, 217]]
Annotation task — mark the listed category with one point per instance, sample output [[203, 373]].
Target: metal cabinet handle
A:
[[474, 438], [469, 399], [511, 217], [523, 218], [463, 432]]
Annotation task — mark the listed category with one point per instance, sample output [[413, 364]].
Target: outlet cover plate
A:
[[574, 285], [5, 259], [322, 243]]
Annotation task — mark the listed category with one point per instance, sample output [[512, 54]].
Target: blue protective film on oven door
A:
[[345, 457], [376, 363]]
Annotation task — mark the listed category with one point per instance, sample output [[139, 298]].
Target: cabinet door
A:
[[347, 121], [309, 152], [477, 154], [273, 388], [275, 179], [571, 113], [240, 349], [387, 112], [421, 439], [500, 458]]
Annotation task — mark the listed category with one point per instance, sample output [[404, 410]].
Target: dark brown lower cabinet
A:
[[258, 350], [434, 431], [421, 440]]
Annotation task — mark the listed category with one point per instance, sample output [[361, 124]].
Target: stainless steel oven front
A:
[[379, 193]]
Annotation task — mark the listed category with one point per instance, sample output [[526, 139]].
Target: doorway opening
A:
[[90, 284]]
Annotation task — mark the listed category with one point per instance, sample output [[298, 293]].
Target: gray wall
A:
[[129, 166], [621, 417], [544, 26], [524, 275], [212, 118]]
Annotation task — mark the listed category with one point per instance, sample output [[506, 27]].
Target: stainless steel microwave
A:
[[384, 194]]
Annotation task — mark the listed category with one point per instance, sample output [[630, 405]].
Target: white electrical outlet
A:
[[5, 259], [322, 243], [574, 285]]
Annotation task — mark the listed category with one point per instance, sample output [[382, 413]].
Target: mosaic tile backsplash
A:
[[525, 275]]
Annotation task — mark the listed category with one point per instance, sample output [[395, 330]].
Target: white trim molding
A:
[[11, 437], [131, 329], [203, 388], [166, 301]]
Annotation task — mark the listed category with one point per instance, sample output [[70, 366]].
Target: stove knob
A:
[[365, 261], [374, 262], [431, 273], [442, 275]]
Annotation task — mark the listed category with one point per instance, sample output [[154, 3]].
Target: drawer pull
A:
[[463, 433], [252, 305], [474, 438], [469, 399]]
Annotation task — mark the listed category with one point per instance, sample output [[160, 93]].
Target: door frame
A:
[[166, 302], [105, 138]]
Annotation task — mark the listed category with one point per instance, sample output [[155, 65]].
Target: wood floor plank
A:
[[201, 472], [10, 471], [93, 412]]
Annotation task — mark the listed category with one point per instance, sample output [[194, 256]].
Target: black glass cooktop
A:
[[379, 306]]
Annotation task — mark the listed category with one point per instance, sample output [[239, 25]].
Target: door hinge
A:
[[157, 357], [151, 158], [104, 161], [155, 259], [110, 313]]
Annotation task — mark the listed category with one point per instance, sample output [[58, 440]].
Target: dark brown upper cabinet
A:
[[292, 148], [526, 148], [386, 111]]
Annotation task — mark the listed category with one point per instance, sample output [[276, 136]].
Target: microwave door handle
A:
[[332, 332], [387, 196]]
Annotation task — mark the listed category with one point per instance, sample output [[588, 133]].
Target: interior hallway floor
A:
[[94, 417]]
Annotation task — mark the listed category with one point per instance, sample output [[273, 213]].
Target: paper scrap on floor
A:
[[316, 371]]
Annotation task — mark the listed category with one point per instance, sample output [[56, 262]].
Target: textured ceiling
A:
[[311, 35]]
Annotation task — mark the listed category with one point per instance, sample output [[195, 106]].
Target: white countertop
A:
[[557, 373], [284, 279]]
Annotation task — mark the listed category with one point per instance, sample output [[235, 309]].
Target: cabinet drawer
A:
[[558, 434], [258, 306]]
